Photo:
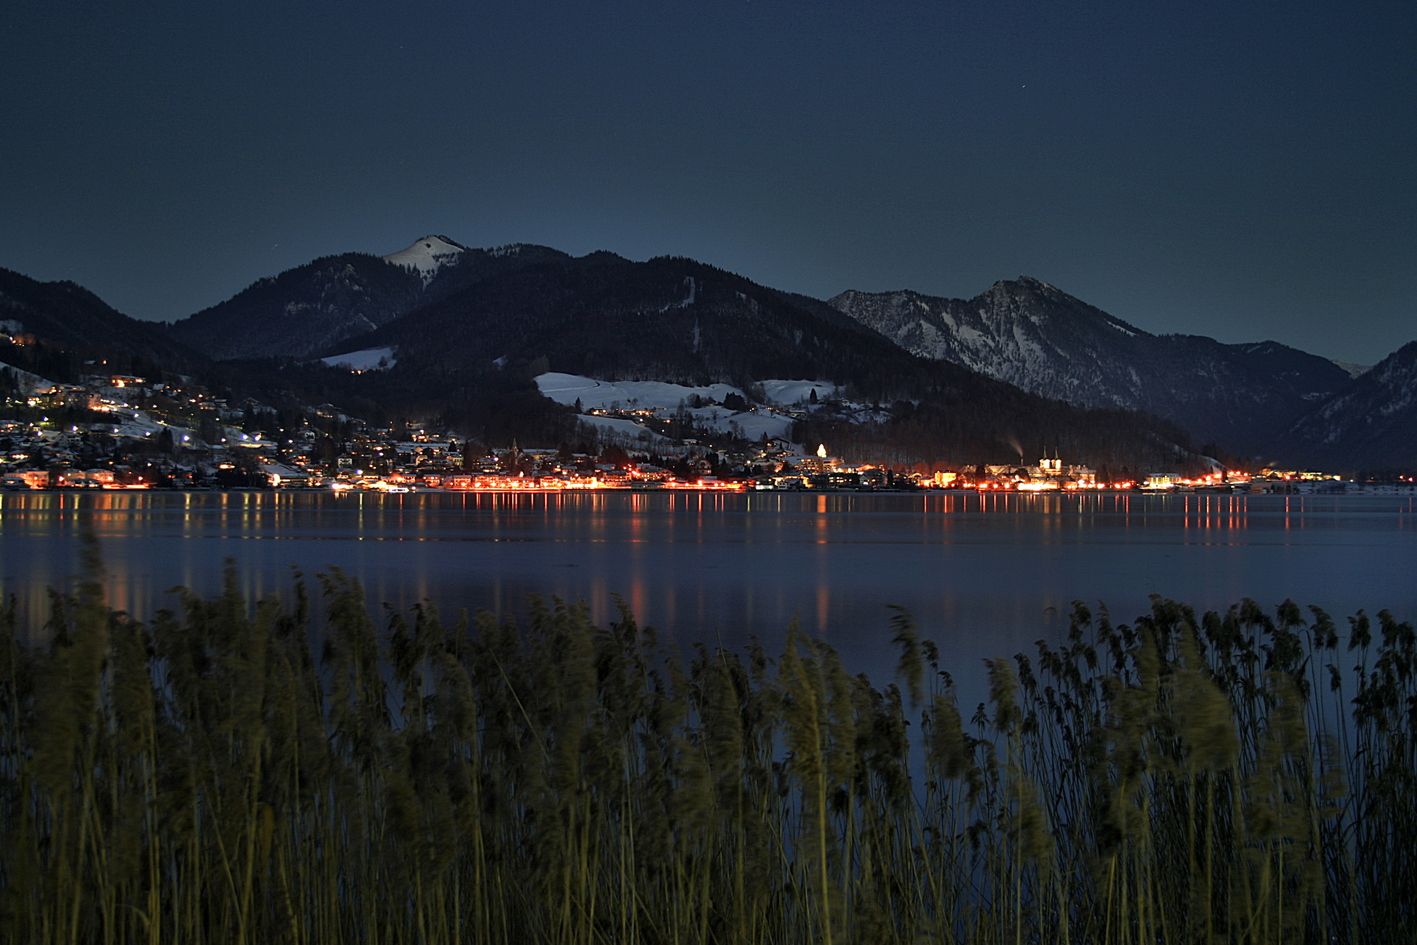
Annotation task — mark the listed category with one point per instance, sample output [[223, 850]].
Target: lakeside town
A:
[[118, 431]]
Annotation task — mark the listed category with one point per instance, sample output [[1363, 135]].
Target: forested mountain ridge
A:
[[74, 326], [309, 308], [669, 319]]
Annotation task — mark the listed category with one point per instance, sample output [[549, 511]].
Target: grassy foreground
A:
[[210, 778]]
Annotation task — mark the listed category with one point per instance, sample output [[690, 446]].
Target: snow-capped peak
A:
[[427, 255]]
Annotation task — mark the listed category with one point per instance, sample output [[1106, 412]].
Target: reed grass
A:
[[243, 771]]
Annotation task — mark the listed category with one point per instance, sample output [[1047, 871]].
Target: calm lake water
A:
[[983, 575]]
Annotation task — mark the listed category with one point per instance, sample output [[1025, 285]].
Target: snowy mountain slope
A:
[[788, 393], [658, 395], [1370, 425], [24, 381], [627, 433], [1047, 342], [1026, 333]]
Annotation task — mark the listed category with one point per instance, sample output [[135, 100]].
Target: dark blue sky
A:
[[1242, 170]]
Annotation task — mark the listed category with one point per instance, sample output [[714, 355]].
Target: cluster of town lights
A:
[[400, 484], [630, 480], [623, 479]]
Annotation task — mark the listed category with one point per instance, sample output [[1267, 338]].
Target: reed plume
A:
[[206, 777]]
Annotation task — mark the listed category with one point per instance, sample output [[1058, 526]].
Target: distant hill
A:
[[1045, 341]]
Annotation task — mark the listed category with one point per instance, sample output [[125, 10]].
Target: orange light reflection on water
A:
[[621, 532]]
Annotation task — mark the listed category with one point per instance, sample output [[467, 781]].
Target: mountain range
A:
[[1021, 368]]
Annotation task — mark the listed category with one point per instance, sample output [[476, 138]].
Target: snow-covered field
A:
[[626, 395], [651, 395], [370, 359], [752, 424], [666, 398], [787, 393], [627, 433]]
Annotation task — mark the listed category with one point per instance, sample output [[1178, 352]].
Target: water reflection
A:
[[999, 568]]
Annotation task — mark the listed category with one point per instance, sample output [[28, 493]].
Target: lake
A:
[[984, 575]]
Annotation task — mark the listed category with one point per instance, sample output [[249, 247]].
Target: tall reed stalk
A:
[[242, 771]]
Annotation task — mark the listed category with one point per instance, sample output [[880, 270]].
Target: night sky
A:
[[1242, 170]]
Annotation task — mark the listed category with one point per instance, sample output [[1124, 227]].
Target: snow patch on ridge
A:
[[28, 383], [427, 255]]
